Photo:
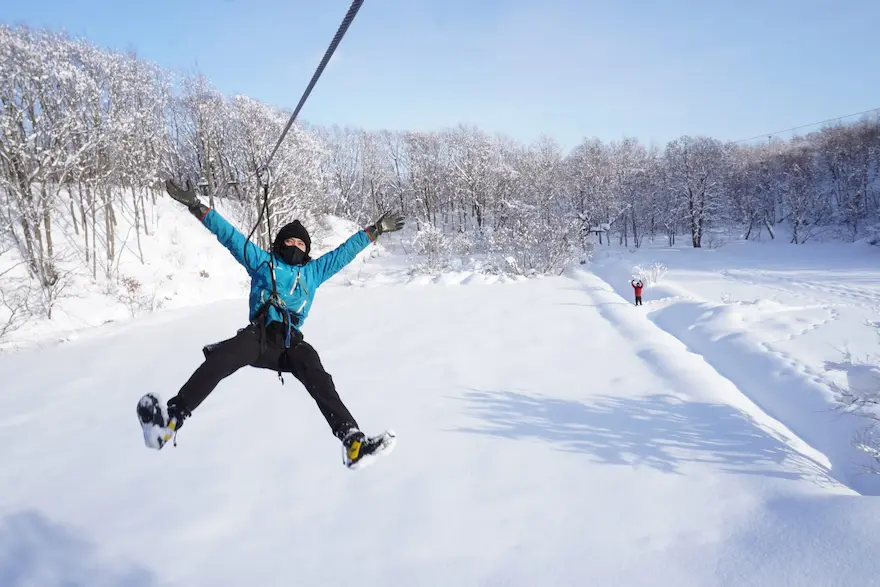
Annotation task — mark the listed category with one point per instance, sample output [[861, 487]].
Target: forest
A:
[[87, 134]]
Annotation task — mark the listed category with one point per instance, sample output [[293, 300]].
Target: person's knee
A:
[[321, 381]]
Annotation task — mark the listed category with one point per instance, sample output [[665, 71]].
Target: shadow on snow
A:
[[657, 431], [34, 551]]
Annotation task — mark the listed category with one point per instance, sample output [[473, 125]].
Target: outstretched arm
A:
[[245, 252], [329, 264]]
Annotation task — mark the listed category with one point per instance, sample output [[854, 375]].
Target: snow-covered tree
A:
[[694, 174], [88, 135]]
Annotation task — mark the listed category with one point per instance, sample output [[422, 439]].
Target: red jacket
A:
[[638, 288]]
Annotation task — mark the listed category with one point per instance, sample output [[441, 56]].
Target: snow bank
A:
[[178, 265], [778, 322]]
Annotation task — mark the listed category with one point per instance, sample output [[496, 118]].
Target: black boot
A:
[[177, 413], [159, 424], [352, 444], [357, 447]]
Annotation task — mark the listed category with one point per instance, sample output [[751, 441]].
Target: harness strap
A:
[[286, 320]]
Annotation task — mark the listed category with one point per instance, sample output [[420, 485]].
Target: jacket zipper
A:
[[295, 282]]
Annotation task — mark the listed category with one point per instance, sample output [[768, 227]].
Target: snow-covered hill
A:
[[179, 264], [550, 433]]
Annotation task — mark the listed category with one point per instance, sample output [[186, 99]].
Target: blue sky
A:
[[570, 69]]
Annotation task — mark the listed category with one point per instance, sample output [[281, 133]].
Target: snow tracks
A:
[[731, 369]]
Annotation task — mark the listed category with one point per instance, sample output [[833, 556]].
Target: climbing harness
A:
[[264, 175]]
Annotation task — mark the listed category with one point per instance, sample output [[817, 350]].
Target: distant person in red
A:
[[637, 285]]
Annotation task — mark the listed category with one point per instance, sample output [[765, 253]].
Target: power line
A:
[[806, 125]]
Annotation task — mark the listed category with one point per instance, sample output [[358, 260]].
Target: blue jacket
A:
[[296, 284]]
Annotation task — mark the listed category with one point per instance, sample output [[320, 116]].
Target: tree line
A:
[[88, 135]]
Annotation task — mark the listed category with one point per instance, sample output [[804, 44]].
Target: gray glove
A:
[[388, 222], [187, 197]]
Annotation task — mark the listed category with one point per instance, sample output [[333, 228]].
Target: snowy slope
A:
[[549, 434], [178, 264], [786, 324]]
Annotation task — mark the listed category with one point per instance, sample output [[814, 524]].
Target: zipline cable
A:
[[263, 175], [352, 11]]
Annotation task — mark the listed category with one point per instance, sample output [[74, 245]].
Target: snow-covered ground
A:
[[550, 433], [786, 324]]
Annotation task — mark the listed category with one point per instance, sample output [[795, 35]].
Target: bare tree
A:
[[695, 168], [801, 194]]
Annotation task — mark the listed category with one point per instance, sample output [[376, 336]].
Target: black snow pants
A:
[[249, 348]]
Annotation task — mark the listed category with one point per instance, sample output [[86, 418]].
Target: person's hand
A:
[[186, 197], [388, 222]]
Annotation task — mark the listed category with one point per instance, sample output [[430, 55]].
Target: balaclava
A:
[[292, 255]]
